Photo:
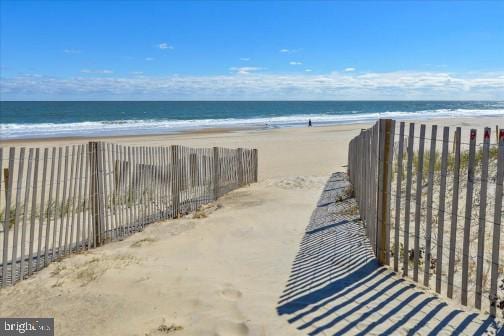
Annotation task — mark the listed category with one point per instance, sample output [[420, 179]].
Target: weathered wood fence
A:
[[63, 200], [433, 205]]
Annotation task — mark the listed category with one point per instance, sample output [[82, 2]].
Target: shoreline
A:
[[462, 121], [206, 132]]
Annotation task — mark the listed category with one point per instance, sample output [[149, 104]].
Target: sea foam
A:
[[159, 126]]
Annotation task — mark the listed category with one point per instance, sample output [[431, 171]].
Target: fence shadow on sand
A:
[[337, 287]]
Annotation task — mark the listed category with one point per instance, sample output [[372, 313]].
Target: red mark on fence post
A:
[[487, 134], [473, 134], [501, 134]]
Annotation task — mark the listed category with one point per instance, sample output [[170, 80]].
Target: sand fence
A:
[[432, 204], [62, 200]]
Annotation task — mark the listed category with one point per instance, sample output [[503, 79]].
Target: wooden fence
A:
[[63, 200], [433, 205]]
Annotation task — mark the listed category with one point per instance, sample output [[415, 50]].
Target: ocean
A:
[[41, 119]]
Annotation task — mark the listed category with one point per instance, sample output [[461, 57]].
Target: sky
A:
[[239, 50]]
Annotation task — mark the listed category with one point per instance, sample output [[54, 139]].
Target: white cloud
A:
[[289, 51], [308, 70], [149, 59], [71, 51], [164, 45], [245, 59], [137, 72], [246, 83], [295, 63], [350, 69], [88, 71], [244, 70]]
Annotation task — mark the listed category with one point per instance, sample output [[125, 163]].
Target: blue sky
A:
[[251, 50]]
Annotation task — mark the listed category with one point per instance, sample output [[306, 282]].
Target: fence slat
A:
[[143, 184], [441, 211], [407, 206], [129, 197], [468, 216], [33, 211], [482, 216], [454, 213], [216, 172], [108, 229], [93, 149], [397, 216], [90, 199], [136, 189], [80, 208], [57, 206], [75, 203], [42, 209], [175, 192], [86, 226], [114, 187], [71, 189], [418, 201], [68, 199], [46, 208], [19, 206], [256, 165], [157, 182], [386, 130], [25, 213], [61, 247], [118, 162], [152, 192], [101, 194], [430, 189], [497, 225], [388, 186], [7, 215]]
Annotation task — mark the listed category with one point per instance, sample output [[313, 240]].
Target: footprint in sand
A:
[[231, 293], [143, 242], [229, 328]]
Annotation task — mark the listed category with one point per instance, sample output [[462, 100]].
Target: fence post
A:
[[497, 225], [216, 169], [175, 183], [383, 201], [94, 162]]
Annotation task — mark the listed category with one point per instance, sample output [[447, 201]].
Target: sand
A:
[[221, 274]]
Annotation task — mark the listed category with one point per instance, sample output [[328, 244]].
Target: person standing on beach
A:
[[309, 123]]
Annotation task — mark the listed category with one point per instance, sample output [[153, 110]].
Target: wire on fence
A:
[[370, 154], [86, 195]]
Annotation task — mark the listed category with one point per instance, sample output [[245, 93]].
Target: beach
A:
[[220, 273]]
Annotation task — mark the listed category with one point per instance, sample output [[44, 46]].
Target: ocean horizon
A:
[[43, 119]]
